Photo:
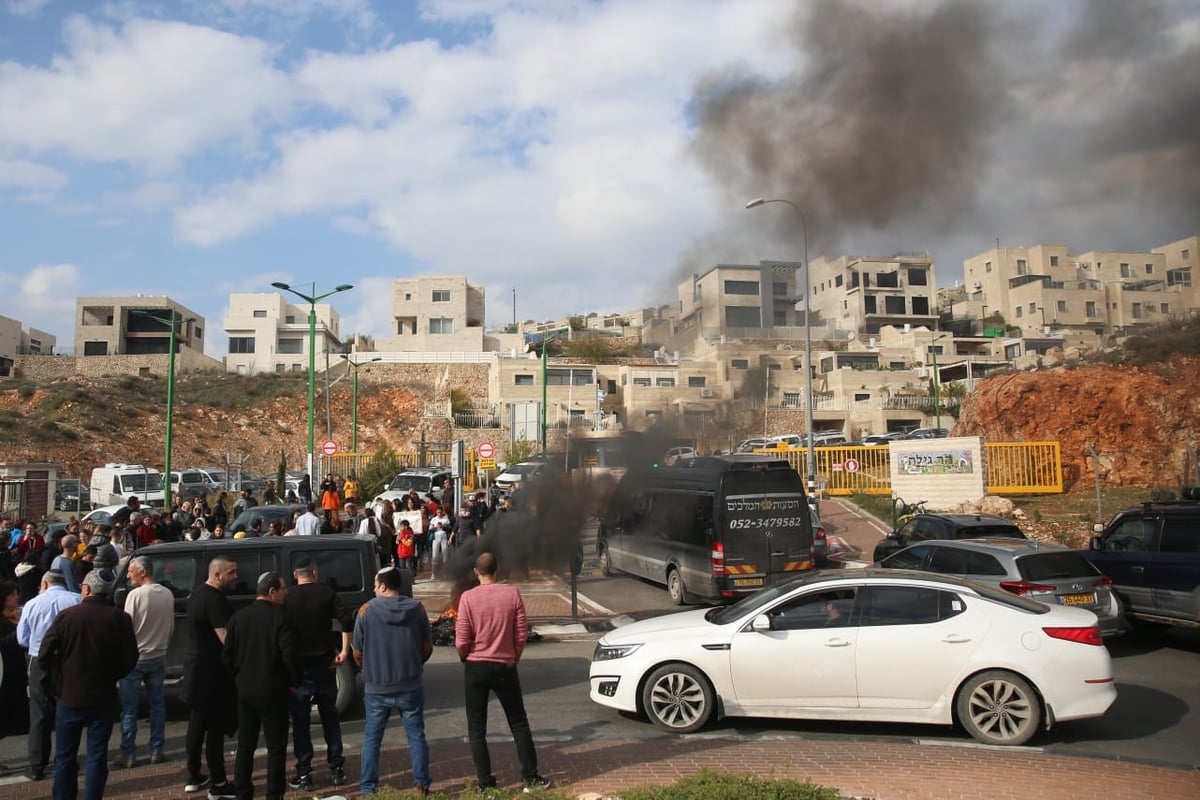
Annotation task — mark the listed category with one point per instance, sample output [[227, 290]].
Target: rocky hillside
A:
[[1139, 419]]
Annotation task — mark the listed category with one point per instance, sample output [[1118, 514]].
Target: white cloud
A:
[[25, 8], [42, 299], [150, 93], [24, 174]]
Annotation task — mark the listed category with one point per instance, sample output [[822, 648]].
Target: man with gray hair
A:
[[88, 648], [38, 615], [151, 606]]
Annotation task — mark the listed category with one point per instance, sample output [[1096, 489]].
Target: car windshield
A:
[[522, 469], [403, 482], [723, 615]]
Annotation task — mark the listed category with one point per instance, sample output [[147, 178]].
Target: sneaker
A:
[[338, 775], [121, 762], [304, 782], [196, 784], [158, 758], [422, 791], [489, 791], [536, 784], [223, 791]]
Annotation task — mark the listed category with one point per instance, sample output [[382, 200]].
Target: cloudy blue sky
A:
[[584, 153]]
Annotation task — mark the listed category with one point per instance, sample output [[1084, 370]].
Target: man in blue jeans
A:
[[88, 648], [151, 607], [392, 642]]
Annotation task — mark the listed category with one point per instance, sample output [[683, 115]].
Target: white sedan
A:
[[873, 645]]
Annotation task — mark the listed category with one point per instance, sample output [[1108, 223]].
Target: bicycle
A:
[[905, 511]]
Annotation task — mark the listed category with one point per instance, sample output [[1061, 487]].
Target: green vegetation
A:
[[379, 473], [236, 392], [520, 450], [704, 785], [460, 401], [595, 349], [1176, 336]]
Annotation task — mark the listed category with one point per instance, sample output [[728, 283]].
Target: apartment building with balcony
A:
[[437, 313], [741, 301], [862, 294], [115, 326], [269, 334]]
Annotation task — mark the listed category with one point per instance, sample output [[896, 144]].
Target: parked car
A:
[[675, 454], [517, 474], [69, 495], [750, 445], [426, 480], [877, 645], [102, 515], [1045, 571], [1152, 554], [928, 433], [876, 439], [346, 562], [188, 483], [924, 527], [281, 514]]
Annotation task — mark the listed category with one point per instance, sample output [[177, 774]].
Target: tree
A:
[[754, 383], [379, 473]]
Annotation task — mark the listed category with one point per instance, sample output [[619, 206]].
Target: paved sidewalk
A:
[[886, 771]]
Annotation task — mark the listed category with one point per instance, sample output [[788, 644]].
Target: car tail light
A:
[[1104, 581], [718, 558], [820, 535], [1090, 635], [1023, 587]]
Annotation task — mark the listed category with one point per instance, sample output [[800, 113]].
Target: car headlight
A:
[[608, 652]]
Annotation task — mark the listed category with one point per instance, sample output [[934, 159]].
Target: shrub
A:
[[379, 473], [709, 785]]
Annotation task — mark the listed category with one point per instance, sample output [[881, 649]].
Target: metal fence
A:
[[1012, 468]]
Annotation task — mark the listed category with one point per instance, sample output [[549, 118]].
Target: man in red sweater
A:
[[490, 635]]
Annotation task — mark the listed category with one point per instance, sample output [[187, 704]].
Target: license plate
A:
[[747, 581], [1079, 599]]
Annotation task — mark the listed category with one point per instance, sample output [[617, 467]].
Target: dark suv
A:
[[346, 562], [1152, 554], [946, 526]]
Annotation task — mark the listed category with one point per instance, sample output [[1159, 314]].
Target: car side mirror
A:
[[1097, 527], [761, 623], [1096, 543]]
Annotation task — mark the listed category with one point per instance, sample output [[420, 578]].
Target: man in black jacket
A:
[[261, 653], [88, 648], [311, 608]]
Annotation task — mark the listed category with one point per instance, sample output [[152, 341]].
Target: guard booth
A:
[[27, 489]]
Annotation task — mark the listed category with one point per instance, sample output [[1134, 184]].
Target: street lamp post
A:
[[312, 344], [546, 337], [808, 380], [354, 401], [937, 383], [170, 323]]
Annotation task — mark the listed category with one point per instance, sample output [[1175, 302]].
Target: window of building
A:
[[241, 344], [1022, 267], [888, 280], [259, 313], [781, 318], [1032, 306], [987, 266], [1060, 305], [918, 277], [742, 317], [197, 333], [559, 376], [869, 304], [837, 280], [281, 368], [1020, 312], [441, 325], [641, 381], [290, 319], [894, 305], [1126, 272], [1149, 269], [523, 379], [779, 289], [664, 382], [1137, 311], [740, 363], [1054, 261], [441, 295], [791, 399], [1179, 277], [1165, 308], [696, 382], [861, 397], [1186, 254], [95, 348], [920, 305], [408, 295], [291, 346], [741, 287]]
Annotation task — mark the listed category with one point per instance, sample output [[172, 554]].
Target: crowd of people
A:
[[73, 659]]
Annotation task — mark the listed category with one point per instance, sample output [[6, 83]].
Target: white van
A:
[[115, 483]]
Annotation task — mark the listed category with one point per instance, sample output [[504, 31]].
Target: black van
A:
[[712, 528], [347, 562]]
